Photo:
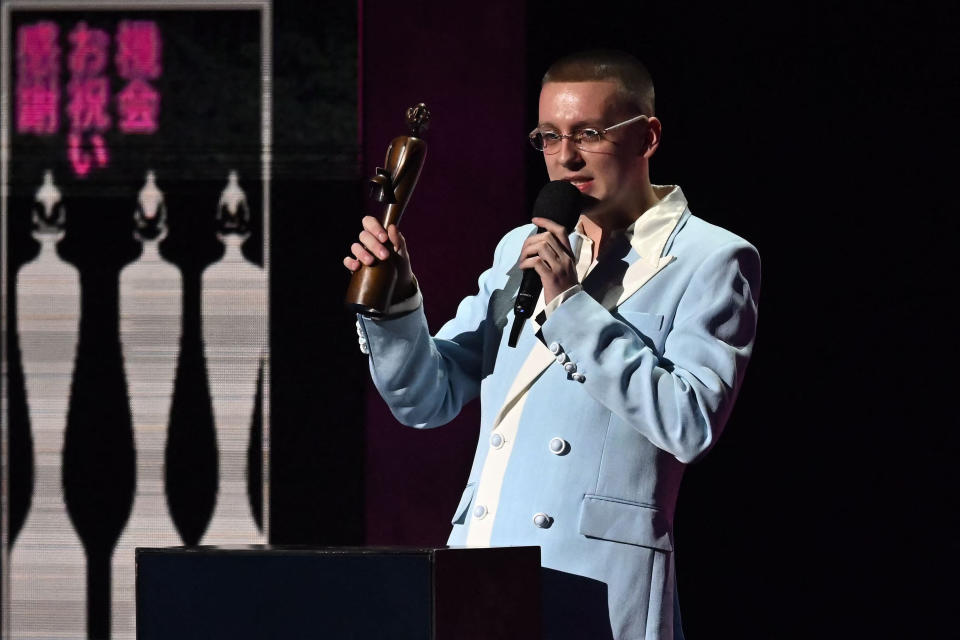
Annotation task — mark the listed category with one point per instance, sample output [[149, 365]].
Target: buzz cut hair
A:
[[597, 65]]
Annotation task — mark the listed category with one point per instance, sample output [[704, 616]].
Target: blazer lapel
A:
[[648, 237], [637, 275], [537, 361]]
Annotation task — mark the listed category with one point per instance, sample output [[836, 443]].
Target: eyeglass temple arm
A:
[[624, 123]]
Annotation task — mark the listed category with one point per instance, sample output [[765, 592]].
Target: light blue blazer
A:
[[659, 339]]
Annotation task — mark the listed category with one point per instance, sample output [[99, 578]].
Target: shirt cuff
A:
[[556, 302]]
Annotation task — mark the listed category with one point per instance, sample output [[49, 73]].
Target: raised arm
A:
[[426, 380]]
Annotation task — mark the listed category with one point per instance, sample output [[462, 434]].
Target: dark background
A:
[[819, 132]]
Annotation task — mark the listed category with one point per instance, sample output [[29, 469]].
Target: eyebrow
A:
[[581, 124]]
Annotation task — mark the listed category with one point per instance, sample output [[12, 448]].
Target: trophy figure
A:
[[48, 578], [371, 287], [234, 314], [151, 301]]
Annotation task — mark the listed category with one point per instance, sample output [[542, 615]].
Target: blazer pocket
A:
[[460, 515], [624, 521], [648, 325]]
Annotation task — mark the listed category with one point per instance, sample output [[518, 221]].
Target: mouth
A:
[[580, 183]]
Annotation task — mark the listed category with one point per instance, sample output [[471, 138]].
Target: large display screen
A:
[[135, 300]]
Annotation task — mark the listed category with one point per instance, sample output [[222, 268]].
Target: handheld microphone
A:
[[561, 202]]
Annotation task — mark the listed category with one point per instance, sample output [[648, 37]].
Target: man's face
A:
[[566, 107]]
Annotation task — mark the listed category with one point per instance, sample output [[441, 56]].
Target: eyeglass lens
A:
[[549, 141]]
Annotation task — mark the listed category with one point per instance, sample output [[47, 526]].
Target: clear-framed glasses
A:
[[587, 139]]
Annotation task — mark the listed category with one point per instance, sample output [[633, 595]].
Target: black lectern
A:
[[366, 593]]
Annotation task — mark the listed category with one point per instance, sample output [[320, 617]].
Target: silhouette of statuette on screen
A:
[[48, 580], [151, 301], [234, 308]]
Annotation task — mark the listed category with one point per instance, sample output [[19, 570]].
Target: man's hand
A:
[[374, 246], [550, 255]]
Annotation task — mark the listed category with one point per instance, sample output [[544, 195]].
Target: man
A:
[[627, 372]]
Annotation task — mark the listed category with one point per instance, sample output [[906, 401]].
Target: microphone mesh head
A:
[[561, 202]]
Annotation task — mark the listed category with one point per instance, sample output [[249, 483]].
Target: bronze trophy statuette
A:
[[371, 287]]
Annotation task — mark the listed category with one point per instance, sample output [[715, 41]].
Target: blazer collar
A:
[[648, 236], [649, 233]]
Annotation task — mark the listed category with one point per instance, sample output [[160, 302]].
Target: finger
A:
[[536, 262], [351, 264], [373, 225], [550, 250], [555, 229], [362, 254], [550, 225], [531, 246], [396, 238], [373, 245], [543, 270], [560, 246]]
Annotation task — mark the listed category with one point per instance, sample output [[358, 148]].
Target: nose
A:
[[569, 155]]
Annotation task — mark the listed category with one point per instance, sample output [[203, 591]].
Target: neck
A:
[[616, 214]]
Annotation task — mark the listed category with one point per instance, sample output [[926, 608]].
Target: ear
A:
[[653, 132]]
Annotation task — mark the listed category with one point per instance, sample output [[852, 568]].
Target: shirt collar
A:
[[649, 233]]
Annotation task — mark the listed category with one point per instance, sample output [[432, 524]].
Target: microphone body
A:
[[561, 202], [529, 291]]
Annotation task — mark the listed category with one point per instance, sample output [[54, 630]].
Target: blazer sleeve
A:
[[426, 380], [680, 399]]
